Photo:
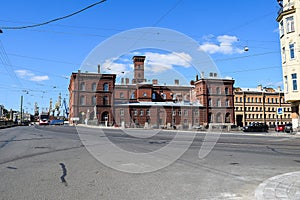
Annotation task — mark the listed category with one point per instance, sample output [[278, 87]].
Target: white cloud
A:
[[39, 78], [22, 73], [112, 67], [224, 45], [157, 62], [28, 75]]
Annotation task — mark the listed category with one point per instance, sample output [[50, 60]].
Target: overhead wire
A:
[[7, 64], [53, 20]]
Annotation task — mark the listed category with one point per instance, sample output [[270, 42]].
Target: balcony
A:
[[286, 9]]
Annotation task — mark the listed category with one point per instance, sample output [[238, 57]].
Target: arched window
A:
[[105, 87], [227, 103], [227, 118], [209, 102], [132, 96], [82, 100], [82, 86], [218, 118], [219, 103], [93, 100], [105, 100], [153, 95], [226, 91], [94, 87], [210, 119], [218, 91]]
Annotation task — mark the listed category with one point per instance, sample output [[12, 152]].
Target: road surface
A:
[[51, 162]]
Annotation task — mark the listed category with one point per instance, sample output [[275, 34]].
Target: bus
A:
[[44, 119]]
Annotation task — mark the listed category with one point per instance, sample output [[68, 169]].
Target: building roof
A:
[[266, 90]]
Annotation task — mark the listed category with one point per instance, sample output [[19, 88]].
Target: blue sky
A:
[[37, 62]]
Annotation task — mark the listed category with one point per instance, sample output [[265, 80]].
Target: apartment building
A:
[[260, 105], [289, 30]]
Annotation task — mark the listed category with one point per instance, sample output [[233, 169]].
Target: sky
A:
[[36, 63]]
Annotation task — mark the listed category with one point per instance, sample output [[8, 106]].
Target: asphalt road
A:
[[52, 162]]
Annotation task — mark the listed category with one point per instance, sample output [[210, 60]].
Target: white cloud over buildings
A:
[[223, 44]]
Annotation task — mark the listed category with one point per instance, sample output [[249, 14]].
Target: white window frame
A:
[[292, 51], [294, 81], [290, 24]]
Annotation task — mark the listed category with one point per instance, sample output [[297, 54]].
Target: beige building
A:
[[260, 105], [289, 30]]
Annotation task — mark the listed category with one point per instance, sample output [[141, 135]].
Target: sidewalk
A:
[[233, 132]]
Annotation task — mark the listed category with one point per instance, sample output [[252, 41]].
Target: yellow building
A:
[[260, 105]]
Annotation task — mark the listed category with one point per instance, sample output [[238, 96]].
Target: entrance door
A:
[[239, 120]]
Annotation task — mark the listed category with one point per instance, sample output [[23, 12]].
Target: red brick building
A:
[[91, 96], [150, 104]]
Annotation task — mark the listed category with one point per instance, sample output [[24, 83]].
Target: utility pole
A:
[[21, 117]]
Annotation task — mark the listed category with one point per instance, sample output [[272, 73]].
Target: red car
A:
[[279, 128]]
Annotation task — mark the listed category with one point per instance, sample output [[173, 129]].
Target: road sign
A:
[[279, 111]]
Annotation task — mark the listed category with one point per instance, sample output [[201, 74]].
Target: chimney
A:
[[259, 87], [202, 75], [99, 69], [197, 77], [154, 81], [176, 82], [279, 89], [122, 80], [126, 81]]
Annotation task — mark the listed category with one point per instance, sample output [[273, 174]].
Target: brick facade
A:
[[205, 101]]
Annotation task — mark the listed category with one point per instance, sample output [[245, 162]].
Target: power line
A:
[[7, 64], [167, 13], [53, 20]]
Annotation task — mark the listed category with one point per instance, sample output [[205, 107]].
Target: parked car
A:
[[280, 128], [288, 128], [256, 127]]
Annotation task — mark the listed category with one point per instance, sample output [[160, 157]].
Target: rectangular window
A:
[[141, 113], [135, 112], [122, 112], [148, 112], [292, 51], [290, 24], [294, 79], [179, 112], [281, 29], [286, 84], [283, 55]]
